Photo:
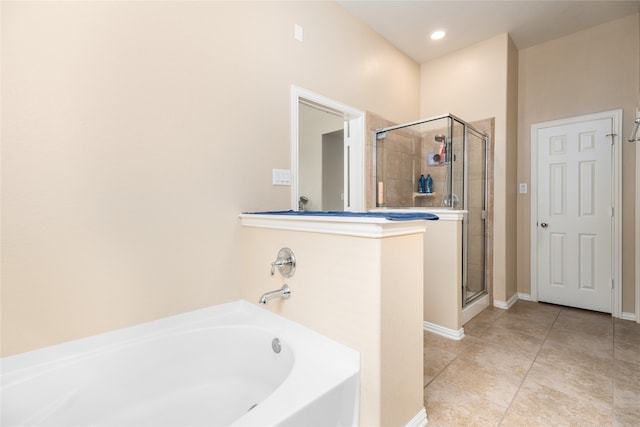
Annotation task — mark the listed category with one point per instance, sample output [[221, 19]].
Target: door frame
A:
[[637, 304], [616, 170], [354, 146]]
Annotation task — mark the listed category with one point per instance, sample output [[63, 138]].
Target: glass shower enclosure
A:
[[434, 164]]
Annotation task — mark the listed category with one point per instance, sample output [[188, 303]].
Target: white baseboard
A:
[[445, 332], [526, 297], [628, 316], [506, 304], [420, 420]]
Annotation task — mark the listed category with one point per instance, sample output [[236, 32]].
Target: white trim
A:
[[420, 420], [628, 316], [374, 228], [506, 305], [616, 267], [637, 304], [444, 332], [355, 141], [616, 117], [525, 297]]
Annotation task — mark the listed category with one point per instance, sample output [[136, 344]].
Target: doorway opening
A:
[[322, 177]]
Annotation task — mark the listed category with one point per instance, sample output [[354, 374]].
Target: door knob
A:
[[544, 225]]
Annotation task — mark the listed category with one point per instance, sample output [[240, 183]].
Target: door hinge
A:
[[612, 135], [611, 211], [612, 283], [484, 214]]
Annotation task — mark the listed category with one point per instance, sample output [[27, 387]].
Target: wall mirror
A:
[[327, 154]]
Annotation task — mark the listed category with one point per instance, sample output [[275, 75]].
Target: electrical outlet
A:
[[523, 188]]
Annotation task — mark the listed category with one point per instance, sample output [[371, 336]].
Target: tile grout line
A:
[[529, 370], [615, 363], [613, 371], [483, 336], [467, 348], [445, 366], [478, 339]]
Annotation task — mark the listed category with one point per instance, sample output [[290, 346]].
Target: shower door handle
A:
[[544, 225]]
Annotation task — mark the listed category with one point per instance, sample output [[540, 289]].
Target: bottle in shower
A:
[[429, 184], [422, 185]]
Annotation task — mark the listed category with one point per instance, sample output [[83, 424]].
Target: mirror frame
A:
[[354, 183]]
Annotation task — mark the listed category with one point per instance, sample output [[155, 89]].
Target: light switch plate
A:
[[281, 177], [298, 32]]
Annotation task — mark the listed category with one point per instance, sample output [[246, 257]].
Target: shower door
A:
[[475, 198]]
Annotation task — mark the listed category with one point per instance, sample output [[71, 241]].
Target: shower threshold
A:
[[476, 306]]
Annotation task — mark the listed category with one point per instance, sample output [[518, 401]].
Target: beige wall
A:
[[586, 72], [443, 274], [402, 345], [135, 132], [473, 84], [363, 292]]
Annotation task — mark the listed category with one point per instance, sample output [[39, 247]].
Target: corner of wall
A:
[[512, 169]]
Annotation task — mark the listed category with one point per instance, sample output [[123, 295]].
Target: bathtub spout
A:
[[283, 292]]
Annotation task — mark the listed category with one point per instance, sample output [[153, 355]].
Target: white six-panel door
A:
[[575, 214]]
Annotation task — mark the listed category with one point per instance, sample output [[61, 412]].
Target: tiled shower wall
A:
[[401, 159]]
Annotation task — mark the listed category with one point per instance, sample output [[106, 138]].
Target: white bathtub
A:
[[213, 367]]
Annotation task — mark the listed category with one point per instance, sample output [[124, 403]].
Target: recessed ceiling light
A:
[[437, 35]]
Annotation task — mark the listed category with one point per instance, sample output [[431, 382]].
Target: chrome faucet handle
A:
[[279, 264], [285, 262]]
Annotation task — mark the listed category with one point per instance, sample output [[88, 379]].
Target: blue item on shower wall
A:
[[423, 184], [394, 216], [429, 184]]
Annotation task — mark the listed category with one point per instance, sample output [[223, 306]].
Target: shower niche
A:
[[451, 156]]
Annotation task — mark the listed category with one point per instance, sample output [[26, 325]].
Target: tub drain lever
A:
[[285, 262]]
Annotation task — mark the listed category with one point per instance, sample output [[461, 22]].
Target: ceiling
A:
[[408, 24]]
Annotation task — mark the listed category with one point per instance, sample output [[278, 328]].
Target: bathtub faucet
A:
[[283, 292]]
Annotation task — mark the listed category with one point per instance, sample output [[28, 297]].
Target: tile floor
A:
[[535, 365]]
